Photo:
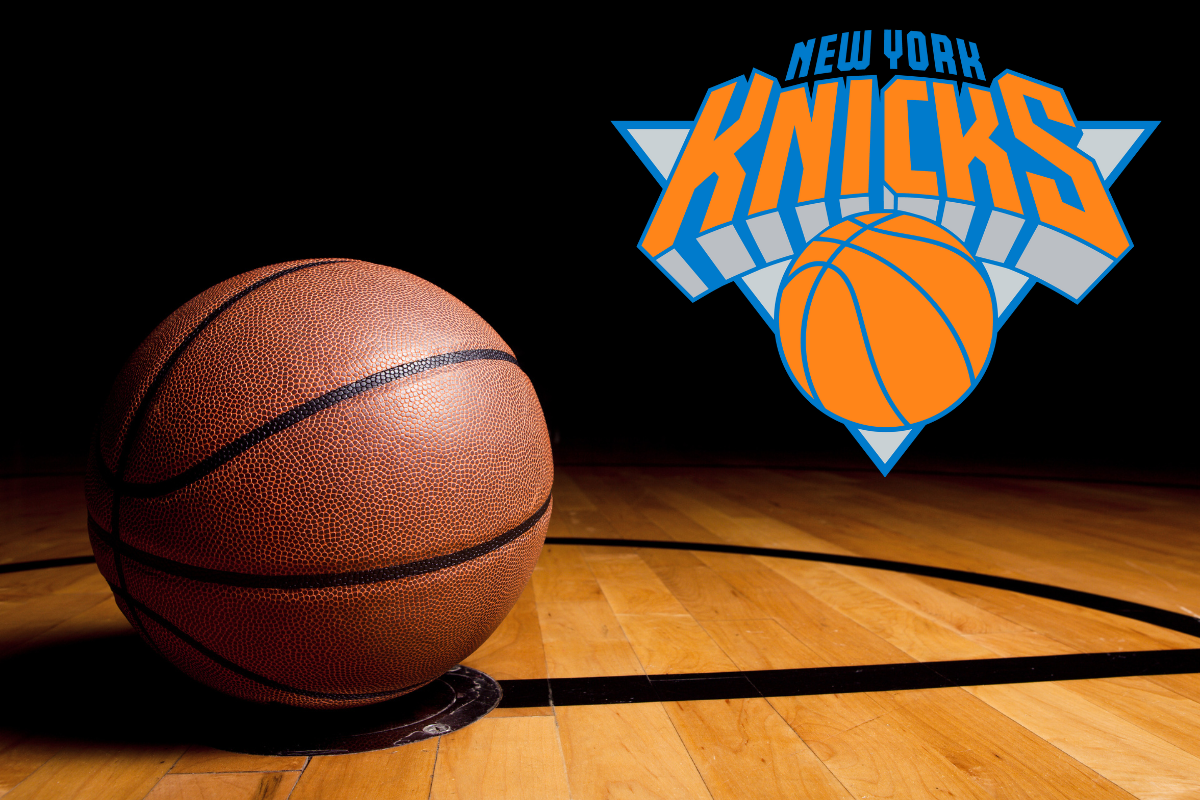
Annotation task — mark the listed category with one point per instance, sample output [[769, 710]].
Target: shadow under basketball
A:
[[116, 689]]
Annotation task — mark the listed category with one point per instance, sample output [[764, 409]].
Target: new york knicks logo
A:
[[885, 235]]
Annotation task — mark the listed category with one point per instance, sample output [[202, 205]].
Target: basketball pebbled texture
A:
[[321, 483]]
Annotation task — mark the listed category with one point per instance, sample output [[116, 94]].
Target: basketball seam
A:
[[126, 443], [237, 668], [318, 581], [962, 348], [862, 327], [167, 365], [298, 414], [914, 237], [812, 292]]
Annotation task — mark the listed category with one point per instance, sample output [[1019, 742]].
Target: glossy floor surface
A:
[[79, 719]]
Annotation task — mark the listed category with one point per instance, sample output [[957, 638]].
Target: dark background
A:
[[150, 169]]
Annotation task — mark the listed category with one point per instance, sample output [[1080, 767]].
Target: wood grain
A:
[[518, 758], [402, 773], [737, 744], [593, 611], [225, 786], [629, 750]]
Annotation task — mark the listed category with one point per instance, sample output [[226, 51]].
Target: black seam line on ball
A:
[[303, 412], [240, 670], [1170, 620], [139, 412], [169, 364], [355, 578]]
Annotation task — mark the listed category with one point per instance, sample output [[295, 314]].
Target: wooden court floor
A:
[[601, 611]]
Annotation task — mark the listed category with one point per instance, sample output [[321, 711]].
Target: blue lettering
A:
[[943, 53], [918, 55], [825, 54], [970, 62], [893, 48], [802, 51], [864, 60]]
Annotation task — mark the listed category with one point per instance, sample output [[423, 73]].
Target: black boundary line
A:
[[139, 413], [49, 563], [320, 580], [298, 414], [1122, 608], [540, 692], [240, 670]]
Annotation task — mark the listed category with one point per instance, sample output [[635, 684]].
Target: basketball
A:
[[885, 320], [321, 483]]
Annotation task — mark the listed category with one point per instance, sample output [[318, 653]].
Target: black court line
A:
[[26, 566], [1112, 605], [847, 679], [843, 680]]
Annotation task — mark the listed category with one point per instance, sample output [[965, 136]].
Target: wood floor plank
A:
[[756, 644], [1148, 705], [738, 744], [515, 649], [667, 643], [516, 758], [913, 633], [584, 639], [1016, 645], [998, 755], [402, 773], [1143, 764], [1185, 685], [627, 751], [629, 585], [562, 575], [1022, 539], [567, 494], [832, 635], [596, 611], [580, 633], [1083, 628], [37, 582], [700, 590], [871, 523], [24, 620], [21, 755], [871, 752], [97, 772], [225, 786], [199, 758]]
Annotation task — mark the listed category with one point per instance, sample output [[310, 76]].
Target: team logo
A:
[[885, 234]]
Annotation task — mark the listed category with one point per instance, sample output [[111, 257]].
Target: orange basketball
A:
[[321, 483], [885, 320]]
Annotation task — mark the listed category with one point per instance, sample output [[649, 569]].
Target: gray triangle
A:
[[1108, 145], [661, 146], [884, 443]]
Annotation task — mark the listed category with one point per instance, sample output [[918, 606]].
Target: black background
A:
[[151, 167]]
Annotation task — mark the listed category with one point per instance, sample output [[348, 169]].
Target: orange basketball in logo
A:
[[885, 320]]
